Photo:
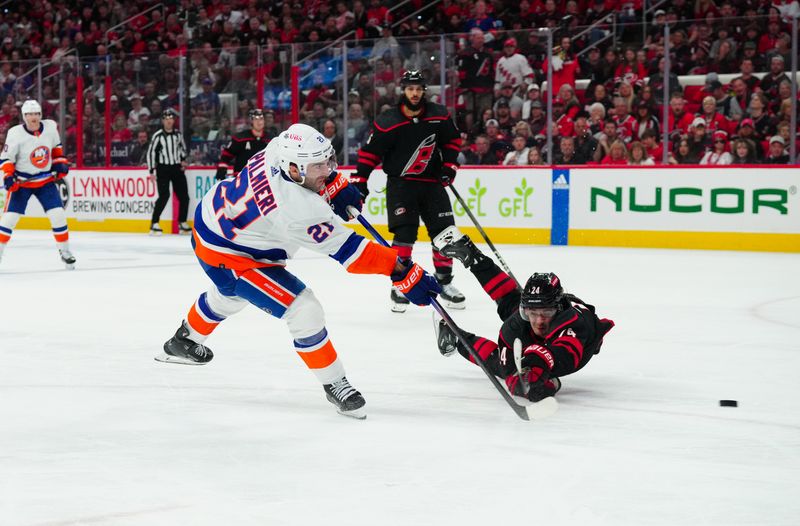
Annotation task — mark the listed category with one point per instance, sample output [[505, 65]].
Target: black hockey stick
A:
[[524, 412], [485, 237]]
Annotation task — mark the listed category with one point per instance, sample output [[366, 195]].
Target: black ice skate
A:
[[446, 339], [155, 230], [346, 398], [67, 258], [399, 302], [184, 228], [450, 296], [453, 244], [180, 349]]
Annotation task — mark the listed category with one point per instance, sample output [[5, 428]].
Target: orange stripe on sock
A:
[[4, 238], [62, 237], [197, 322], [321, 358]]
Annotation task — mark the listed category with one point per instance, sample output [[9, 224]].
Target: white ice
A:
[[93, 431]]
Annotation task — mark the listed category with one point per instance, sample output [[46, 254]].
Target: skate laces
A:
[[449, 290], [342, 389]]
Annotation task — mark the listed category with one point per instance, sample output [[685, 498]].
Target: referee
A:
[[166, 160]]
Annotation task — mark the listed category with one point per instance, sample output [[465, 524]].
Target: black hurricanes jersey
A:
[[413, 148], [243, 145]]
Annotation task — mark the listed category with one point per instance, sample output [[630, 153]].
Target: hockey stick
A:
[[485, 237], [523, 380], [525, 412]]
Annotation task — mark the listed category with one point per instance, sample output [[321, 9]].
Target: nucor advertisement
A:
[[687, 200]]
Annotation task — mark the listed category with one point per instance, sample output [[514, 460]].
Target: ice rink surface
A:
[[93, 431]]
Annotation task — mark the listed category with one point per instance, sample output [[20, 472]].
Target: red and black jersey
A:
[[414, 148], [243, 145], [576, 335]]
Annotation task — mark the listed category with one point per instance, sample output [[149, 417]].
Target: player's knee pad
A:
[[9, 220], [405, 234], [222, 305], [57, 217], [305, 316]]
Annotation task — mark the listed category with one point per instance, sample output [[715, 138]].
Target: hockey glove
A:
[[222, 173], [448, 174], [10, 183], [416, 284], [537, 363], [60, 167], [341, 194], [360, 183]]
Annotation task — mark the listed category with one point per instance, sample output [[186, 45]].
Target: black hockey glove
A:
[[10, 182], [360, 183], [222, 173], [537, 362], [448, 175]]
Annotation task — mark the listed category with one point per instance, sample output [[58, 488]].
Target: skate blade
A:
[[156, 234], [399, 307], [167, 358], [358, 414], [460, 305], [69, 266]]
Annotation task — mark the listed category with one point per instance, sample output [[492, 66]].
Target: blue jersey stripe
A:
[[272, 254], [348, 248], [311, 341], [206, 310]]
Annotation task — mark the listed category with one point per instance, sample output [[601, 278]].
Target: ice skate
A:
[[450, 296], [180, 349], [184, 228], [346, 398], [399, 302], [446, 339], [155, 230], [67, 258], [453, 244]]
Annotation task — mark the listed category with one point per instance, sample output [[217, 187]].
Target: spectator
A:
[[771, 81], [512, 68], [571, 103], [656, 81], [743, 152], [136, 113], [330, 132], [481, 18], [524, 129], [387, 46], [714, 121], [644, 120], [606, 138], [763, 123], [538, 119], [535, 156], [519, 155], [740, 98], [475, 73], [617, 154], [699, 141], [718, 154], [654, 150], [565, 65], [514, 102], [533, 95], [624, 121], [637, 155], [138, 152], [630, 70], [499, 142], [566, 153], [684, 154], [777, 153], [505, 121], [599, 96], [564, 127], [205, 109], [586, 146], [597, 115], [483, 153]]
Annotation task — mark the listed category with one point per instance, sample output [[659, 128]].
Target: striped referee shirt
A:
[[165, 148]]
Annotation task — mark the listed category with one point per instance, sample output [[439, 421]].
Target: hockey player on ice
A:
[[558, 333], [31, 162], [245, 229]]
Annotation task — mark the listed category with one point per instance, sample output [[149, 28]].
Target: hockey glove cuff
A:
[[222, 172], [341, 194], [10, 183], [60, 167], [448, 174], [360, 182], [537, 363], [416, 284]]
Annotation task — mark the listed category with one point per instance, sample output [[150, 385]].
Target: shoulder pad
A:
[[390, 117]]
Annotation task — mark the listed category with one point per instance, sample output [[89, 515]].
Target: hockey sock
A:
[[319, 355], [443, 266], [58, 222], [403, 250], [210, 309], [7, 223]]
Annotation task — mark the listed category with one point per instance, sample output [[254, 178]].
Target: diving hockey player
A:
[[31, 161], [245, 229], [558, 333]]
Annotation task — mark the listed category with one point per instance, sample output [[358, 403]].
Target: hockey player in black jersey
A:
[[558, 332], [417, 143], [242, 146]]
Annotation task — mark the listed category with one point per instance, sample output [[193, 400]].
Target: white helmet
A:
[[31, 106], [303, 145]]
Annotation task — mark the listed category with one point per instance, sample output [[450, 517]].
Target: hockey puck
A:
[[728, 403]]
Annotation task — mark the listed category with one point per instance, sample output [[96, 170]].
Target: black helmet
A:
[[169, 112], [412, 77], [542, 290], [255, 112]]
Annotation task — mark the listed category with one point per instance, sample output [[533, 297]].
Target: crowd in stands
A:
[[608, 92]]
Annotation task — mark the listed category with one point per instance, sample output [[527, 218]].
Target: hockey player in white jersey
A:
[[246, 227], [31, 162]]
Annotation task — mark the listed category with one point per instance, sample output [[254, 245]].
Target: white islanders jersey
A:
[[31, 154]]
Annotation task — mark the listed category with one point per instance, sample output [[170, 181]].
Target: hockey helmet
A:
[[302, 145], [31, 106], [413, 77], [255, 112], [542, 291]]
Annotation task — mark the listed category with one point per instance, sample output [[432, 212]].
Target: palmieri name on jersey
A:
[[259, 183]]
